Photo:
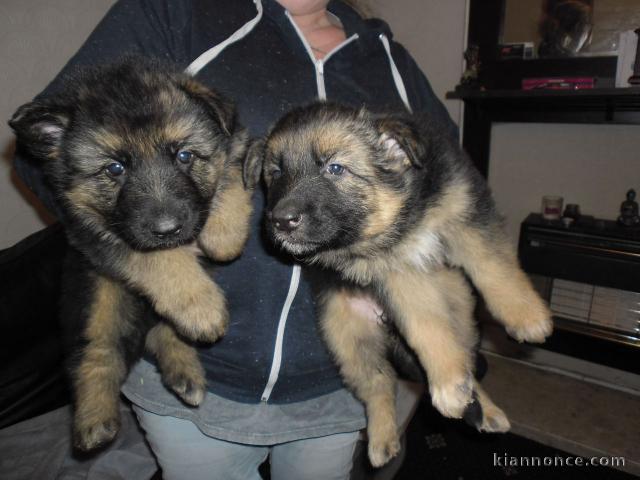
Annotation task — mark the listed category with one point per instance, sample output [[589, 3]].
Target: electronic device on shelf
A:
[[589, 272]]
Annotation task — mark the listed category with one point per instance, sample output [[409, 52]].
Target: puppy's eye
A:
[[184, 156], [114, 169], [335, 169], [276, 172]]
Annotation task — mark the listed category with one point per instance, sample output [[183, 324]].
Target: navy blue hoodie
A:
[[272, 351]]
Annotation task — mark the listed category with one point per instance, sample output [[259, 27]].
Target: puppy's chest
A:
[[424, 252]]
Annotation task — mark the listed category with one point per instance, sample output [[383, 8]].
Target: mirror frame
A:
[[485, 30]]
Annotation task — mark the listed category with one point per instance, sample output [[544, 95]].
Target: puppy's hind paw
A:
[[452, 399], [495, 421], [380, 452], [190, 390], [92, 436], [485, 416]]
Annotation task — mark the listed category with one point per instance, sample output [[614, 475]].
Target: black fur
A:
[[109, 145], [390, 205]]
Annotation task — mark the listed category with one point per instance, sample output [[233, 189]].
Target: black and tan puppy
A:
[[143, 161], [395, 207]]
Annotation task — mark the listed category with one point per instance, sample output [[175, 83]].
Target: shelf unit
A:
[[500, 99], [483, 108]]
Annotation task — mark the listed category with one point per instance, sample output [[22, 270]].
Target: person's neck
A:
[[308, 22], [320, 31]]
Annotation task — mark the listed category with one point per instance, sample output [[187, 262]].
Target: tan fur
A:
[[494, 269], [82, 199], [180, 290], [360, 350], [166, 112], [442, 341], [493, 418], [417, 271], [227, 228], [177, 130], [101, 371], [434, 306], [107, 141], [178, 362], [437, 322], [386, 206]]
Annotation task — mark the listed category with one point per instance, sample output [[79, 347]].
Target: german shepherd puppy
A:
[[144, 162], [394, 206]]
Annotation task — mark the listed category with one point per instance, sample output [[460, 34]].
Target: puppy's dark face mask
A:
[[334, 180], [314, 201], [138, 155]]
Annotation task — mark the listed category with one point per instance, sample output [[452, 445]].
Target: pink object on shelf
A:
[[558, 83]]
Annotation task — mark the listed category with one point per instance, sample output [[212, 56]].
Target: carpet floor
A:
[[444, 449]]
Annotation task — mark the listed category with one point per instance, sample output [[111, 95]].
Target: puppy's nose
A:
[[286, 219], [166, 227]]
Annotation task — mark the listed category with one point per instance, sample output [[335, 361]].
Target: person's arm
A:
[[154, 28]]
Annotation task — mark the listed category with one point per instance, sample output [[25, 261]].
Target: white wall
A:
[[591, 165], [433, 31], [37, 37]]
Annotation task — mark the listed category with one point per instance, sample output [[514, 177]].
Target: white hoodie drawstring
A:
[[243, 31], [212, 53], [397, 78]]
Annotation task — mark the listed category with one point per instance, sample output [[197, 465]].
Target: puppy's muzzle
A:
[[285, 217], [166, 227]]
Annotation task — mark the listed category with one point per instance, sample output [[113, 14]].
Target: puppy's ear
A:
[[401, 145], [218, 107], [39, 127], [252, 168]]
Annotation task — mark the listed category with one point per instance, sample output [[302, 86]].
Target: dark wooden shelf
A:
[[503, 102], [588, 106], [598, 105], [631, 94]]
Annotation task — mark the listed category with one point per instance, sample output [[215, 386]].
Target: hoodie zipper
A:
[[276, 363], [211, 54], [319, 63]]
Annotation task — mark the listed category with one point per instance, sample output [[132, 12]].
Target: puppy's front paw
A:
[[451, 399], [227, 228], [383, 446], [198, 312], [205, 320], [224, 246], [534, 326]]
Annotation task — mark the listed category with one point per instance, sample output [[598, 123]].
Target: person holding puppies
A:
[[272, 387]]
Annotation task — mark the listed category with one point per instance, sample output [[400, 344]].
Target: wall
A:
[[591, 165], [433, 31], [38, 36]]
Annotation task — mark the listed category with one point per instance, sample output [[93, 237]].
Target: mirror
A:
[[569, 28]]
